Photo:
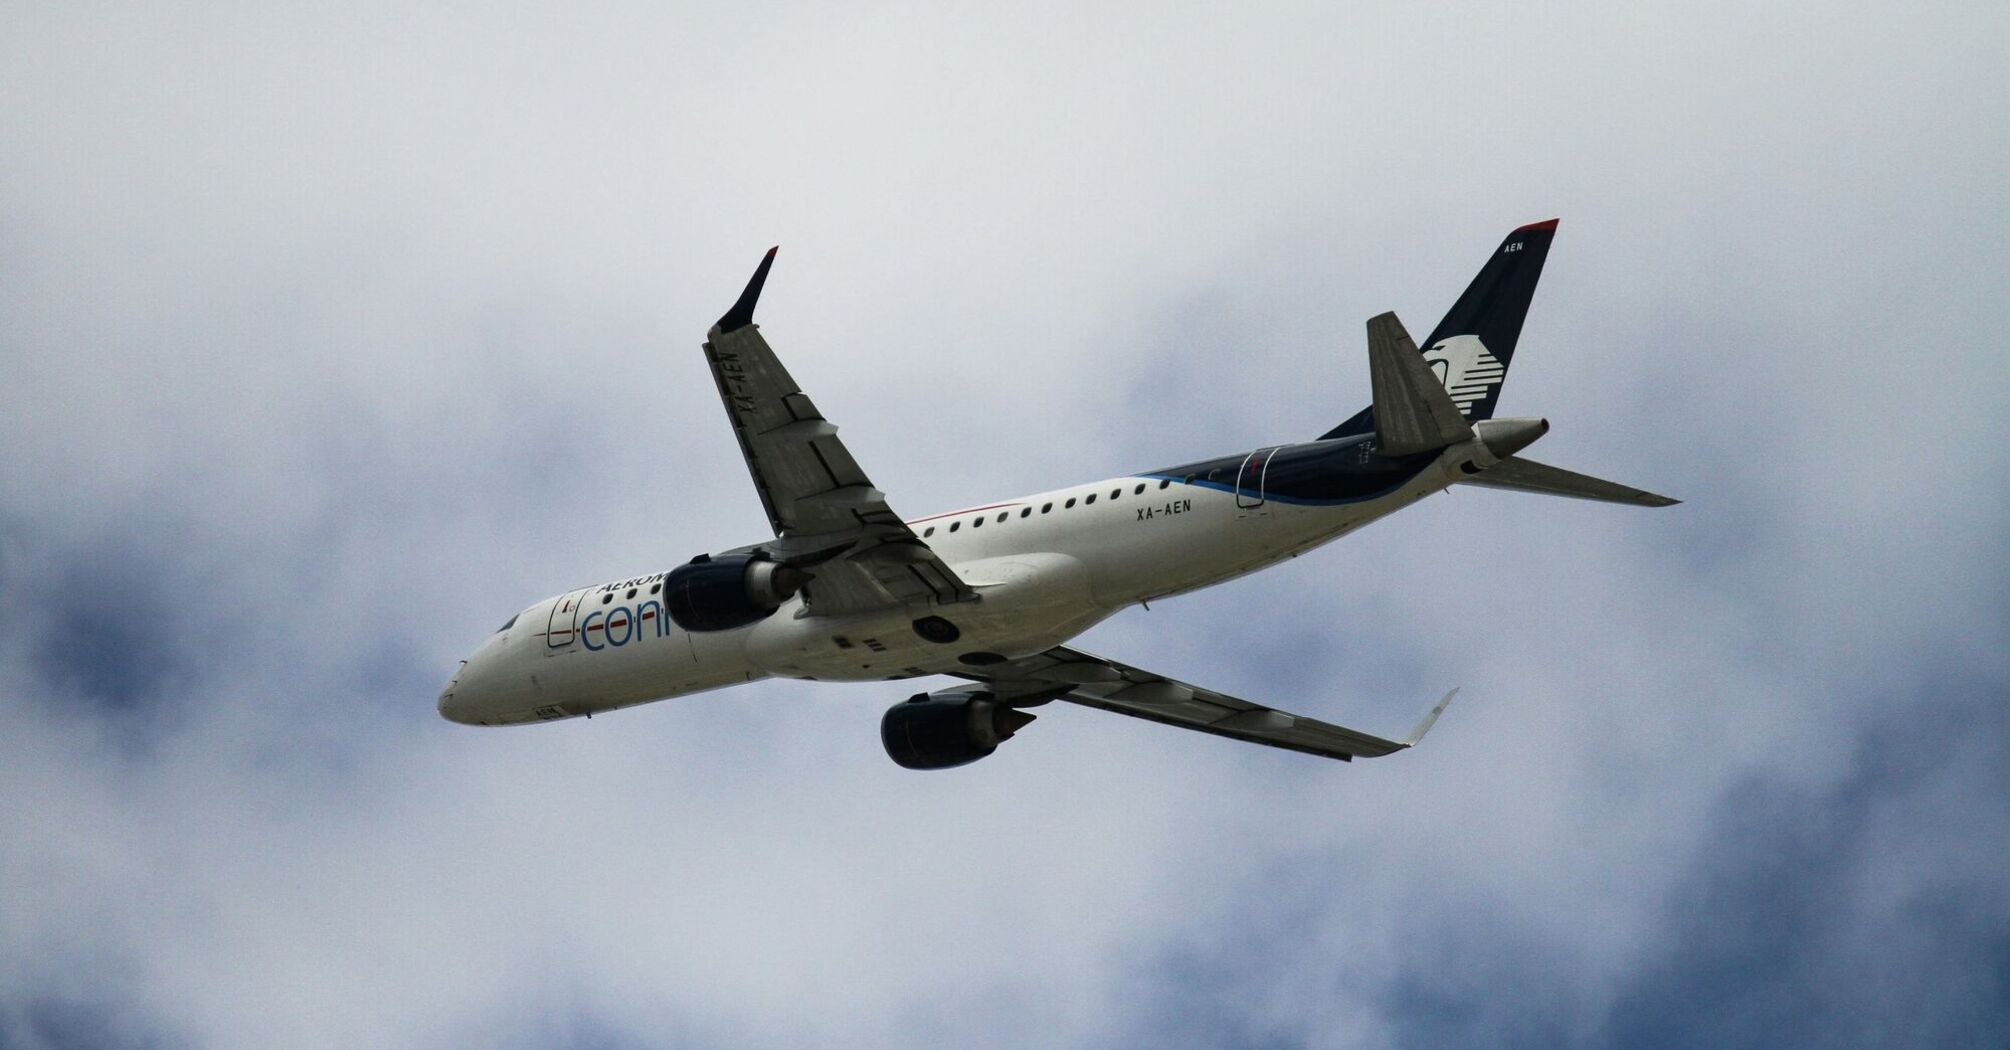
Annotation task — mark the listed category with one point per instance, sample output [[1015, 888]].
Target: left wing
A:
[[829, 518], [1094, 681]]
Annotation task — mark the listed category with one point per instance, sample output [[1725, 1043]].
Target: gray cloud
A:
[[1863, 910]]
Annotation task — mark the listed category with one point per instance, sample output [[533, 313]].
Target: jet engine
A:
[[950, 728], [732, 590]]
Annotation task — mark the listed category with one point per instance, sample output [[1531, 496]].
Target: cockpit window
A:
[[507, 626]]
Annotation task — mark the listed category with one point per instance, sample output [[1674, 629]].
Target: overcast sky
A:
[[332, 335]]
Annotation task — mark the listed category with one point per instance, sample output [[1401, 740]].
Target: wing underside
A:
[[1093, 681]]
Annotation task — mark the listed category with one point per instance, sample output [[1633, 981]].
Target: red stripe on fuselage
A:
[[966, 510]]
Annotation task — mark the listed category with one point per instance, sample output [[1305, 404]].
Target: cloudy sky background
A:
[[334, 334]]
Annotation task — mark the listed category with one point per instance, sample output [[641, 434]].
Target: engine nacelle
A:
[[941, 730], [732, 590]]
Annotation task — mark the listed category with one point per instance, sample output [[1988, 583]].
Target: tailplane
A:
[[1471, 348], [1526, 475]]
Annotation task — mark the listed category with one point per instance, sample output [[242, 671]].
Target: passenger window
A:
[[1070, 505], [1140, 490], [954, 525], [654, 587], [607, 599], [1027, 513], [927, 532], [1090, 499], [631, 592], [1003, 514], [1045, 507], [1114, 493], [1163, 482], [977, 522]]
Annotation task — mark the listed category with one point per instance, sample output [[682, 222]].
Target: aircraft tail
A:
[[1471, 348]]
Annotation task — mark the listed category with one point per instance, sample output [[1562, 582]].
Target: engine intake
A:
[[733, 590], [941, 730]]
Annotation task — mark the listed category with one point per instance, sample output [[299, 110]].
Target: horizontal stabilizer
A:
[[1526, 475], [1413, 413]]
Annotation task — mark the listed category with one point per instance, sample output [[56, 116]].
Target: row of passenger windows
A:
[[977, 521], [608, 598]]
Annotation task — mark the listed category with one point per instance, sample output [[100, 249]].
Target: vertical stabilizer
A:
[[1471, 348]]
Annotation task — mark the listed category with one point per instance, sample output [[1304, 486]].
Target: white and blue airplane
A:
[[847, 590]]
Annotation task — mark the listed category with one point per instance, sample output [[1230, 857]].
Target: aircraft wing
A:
[[1094, 681], [825, 511]]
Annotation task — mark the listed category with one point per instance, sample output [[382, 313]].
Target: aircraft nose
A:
[[463, 698], [483, 692], [452, 709]]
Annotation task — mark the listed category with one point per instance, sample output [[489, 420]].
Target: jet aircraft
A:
[[848, 590]]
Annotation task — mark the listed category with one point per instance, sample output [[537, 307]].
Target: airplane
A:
[[847, 590]]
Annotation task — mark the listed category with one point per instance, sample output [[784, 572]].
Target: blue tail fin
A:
[[1471, 348]]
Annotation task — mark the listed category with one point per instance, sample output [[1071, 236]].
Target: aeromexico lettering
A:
[[636, 582], [617, 626]]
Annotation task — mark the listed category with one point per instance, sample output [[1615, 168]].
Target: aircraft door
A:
[[561, 629], [1249, 479]]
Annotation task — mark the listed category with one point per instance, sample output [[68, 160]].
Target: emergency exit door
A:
[[561, 629], [1249, 479]]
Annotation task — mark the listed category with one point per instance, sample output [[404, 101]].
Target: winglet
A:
[[742, 313], [1430, 720]]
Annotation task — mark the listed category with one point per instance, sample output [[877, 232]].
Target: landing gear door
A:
[[1249, 479], [562, 630]]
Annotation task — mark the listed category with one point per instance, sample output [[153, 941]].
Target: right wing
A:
[[828, 517], [1094, 681]]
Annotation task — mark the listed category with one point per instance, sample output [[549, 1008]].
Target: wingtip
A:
[[742, 313], [1431, 718]]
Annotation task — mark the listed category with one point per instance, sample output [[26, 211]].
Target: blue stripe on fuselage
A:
[[1318, 473]]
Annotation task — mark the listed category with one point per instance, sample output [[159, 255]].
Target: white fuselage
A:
[[1045, 567]]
